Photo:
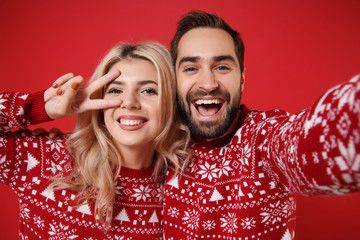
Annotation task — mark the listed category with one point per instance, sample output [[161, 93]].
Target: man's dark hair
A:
[[196, 19]]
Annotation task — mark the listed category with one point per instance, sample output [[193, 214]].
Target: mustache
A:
[[217, 93]]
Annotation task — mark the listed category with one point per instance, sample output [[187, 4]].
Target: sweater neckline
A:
[[136, 173]]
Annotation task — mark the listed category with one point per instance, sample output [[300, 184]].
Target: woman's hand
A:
[[68, 97]]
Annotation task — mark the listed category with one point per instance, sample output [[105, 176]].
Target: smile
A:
[[128, 122], [131, 123], [208, 107]]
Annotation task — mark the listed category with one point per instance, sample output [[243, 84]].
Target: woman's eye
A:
[[114, 90], [150, 91]]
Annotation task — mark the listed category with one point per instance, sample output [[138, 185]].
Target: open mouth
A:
[[208, 107]]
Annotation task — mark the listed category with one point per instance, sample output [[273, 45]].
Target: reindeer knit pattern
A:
[[240, 186], [27, 164]]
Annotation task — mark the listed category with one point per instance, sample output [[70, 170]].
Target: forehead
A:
[[206, 43], [135, 69]]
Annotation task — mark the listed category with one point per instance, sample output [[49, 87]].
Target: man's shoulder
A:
[[254, 116]]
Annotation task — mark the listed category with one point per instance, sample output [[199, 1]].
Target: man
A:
[[247, 163]]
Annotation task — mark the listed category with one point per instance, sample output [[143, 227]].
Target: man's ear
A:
[[242, 79]]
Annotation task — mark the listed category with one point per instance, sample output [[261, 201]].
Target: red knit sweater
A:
[[28, 162], [240, 186]]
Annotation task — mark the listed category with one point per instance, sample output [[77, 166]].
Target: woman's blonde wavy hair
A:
[[97, 162]]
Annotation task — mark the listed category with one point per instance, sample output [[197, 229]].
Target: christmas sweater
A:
[[240, 186], [27, 164]]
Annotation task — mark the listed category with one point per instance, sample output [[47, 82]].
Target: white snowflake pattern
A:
[[208, 171], [191, 218], [173, 212], [351, 159], [158, 192], [55, 144], [192, 166], [55, 167], [274, 213], [225, 168], [60, 231], [229, 222], [39, 222], [343, 125], [248, 223], [117, 188], [209, 224], [24, 212], [142, 193], [245, 154]]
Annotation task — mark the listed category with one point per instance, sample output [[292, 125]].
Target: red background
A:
[[295, 50]]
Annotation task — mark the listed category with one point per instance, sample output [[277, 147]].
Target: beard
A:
[[210, 129]]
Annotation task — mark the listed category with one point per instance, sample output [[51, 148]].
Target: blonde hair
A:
[[97, 161]]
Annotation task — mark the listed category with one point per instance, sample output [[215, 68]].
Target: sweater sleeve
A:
[[20, 152], [18, 110], [318, 150]]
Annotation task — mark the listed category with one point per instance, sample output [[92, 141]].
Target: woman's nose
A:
[[130, 102]]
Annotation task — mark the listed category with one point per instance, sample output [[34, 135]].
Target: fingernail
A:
[[75, 85], [54, 85], [59, 92]]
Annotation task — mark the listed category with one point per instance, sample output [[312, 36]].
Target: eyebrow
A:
[[140, 83], [188, 59], [215, 59], [224, 58]]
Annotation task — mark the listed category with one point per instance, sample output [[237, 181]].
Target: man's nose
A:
[[207, 81]]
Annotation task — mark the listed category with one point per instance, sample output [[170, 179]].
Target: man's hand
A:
[[53, 133], [68, 97]]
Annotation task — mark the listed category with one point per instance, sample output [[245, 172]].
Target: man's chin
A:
[[212, 128], [207, 129]]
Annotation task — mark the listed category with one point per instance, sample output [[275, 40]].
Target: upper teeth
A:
[[129, 122], [207, 101]]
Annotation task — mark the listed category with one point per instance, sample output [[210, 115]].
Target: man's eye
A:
[[222, 68], [189, 69], [149, 91], [114, 90]]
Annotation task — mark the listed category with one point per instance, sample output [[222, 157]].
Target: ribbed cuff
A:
[[36, 106]]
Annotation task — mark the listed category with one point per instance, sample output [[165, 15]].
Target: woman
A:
[[105, 180]]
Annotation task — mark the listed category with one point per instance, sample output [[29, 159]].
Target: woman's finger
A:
[[69, 93], [56, 88], [101, 82], [96, 104], [63, 79]]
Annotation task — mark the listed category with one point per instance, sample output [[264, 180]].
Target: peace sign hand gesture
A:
[[68, 97]]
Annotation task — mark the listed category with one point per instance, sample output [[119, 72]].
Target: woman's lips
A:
[[131, 123]]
